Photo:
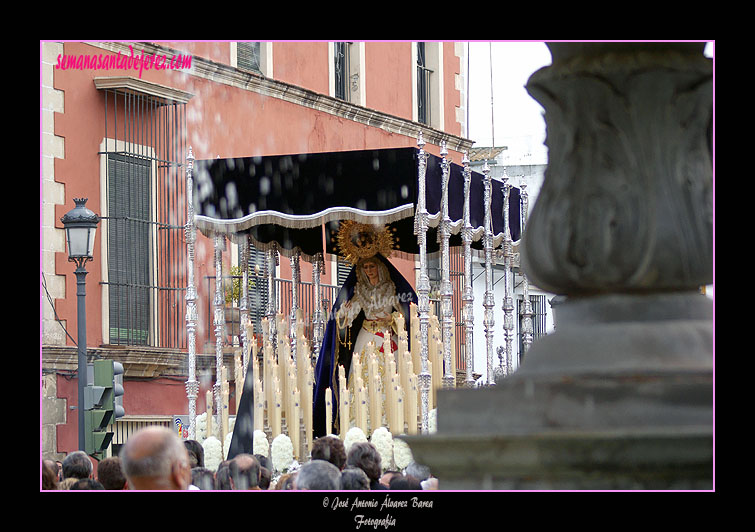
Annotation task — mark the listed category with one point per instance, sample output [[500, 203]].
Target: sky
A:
[[511, 113]]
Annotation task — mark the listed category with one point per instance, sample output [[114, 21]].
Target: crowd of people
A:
[[155, 458]]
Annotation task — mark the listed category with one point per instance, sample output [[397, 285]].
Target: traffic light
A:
[[102, 404]]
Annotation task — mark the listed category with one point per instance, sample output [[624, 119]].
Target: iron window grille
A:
[[341, 69], [145, 190], [423, 85], [248, 56]]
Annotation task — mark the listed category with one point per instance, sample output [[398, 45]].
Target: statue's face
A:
[[371, 271]]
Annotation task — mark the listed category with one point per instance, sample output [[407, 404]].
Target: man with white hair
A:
[[318, 475], [154, 458]]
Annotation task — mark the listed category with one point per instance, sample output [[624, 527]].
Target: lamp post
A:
[[81, 224]]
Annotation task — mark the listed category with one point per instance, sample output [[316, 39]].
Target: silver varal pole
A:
[[489, 301], [468, 296], [192, 385], [219, 323], [244, 303], [423, 288], [527, 330], [508, 299], [318, 267], [295, 280], [271, 263], [446, 292]]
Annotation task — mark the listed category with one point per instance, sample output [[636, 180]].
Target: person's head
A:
[[286, 482], [203, 478], [318, 475], [266, 477], [353, 478], [330, 449], [366, 457], [66, 483], [86, 484], [154, 458], [372, 271], [110, 473], [223, 476], [77, 465], [196, 453], [405, 482], [264, 461], [49, 475], [418, 471], [386, 477], [245, 472]]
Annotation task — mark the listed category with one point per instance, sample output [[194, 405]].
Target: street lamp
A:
[[80, 225]]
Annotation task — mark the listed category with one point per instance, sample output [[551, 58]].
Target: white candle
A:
[[276, 424], [209, 410], [307, 406], [259, 406], [413, 420], [294, 427], [343, 407], [399, 415], [328, 411]]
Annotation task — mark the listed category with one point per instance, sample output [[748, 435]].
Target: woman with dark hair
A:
[[366, 457]]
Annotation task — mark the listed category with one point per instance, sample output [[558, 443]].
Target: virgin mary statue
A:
[[373, 296]]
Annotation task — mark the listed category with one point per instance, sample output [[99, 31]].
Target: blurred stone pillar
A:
[[620, 396]]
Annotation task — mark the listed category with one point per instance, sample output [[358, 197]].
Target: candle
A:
[[224, 393], [360, 412], [356, 365], [259, 406], [307, 405], [238, 377], [412, 420], [399, 415], [415, 341], [328, 411], [276, 421], [373, 388], [294, 427], [343, 407], [209, 410]]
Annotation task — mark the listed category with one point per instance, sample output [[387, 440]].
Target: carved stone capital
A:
[[626, 205]]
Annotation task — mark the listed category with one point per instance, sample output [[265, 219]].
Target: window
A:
[[341, 69], [248, 56], [128, 239], [343, 267], [538, 320], [258, 289], [423, 85], [346, 71], [143, 193]]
